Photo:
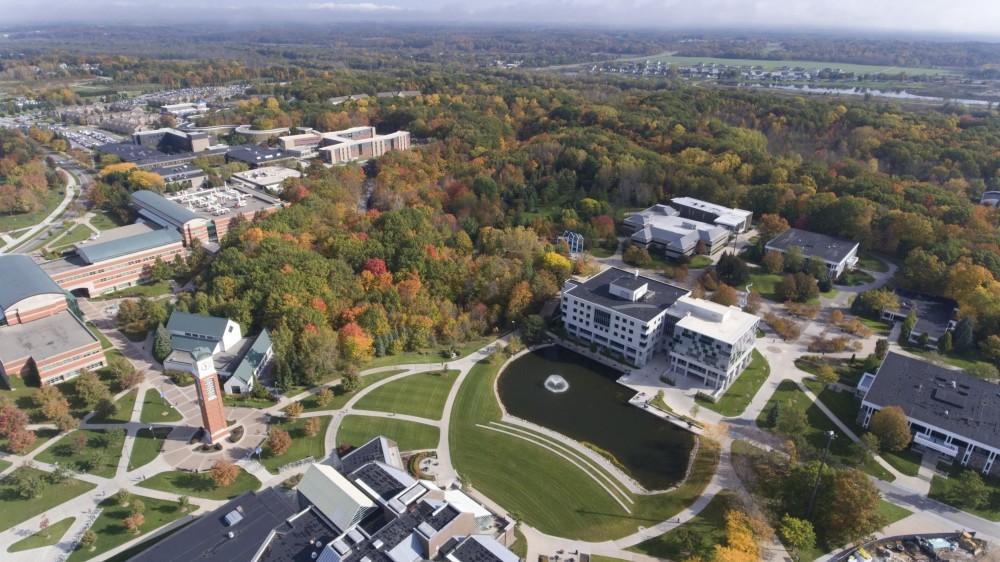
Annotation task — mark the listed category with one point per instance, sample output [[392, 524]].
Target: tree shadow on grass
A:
[[196, 482]]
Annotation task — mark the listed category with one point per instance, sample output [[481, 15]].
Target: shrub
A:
[[785, 328], [180, 378]]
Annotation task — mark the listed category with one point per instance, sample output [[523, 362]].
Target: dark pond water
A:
[[595, 409]]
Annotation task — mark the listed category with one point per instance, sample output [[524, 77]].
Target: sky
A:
[[954, 17]]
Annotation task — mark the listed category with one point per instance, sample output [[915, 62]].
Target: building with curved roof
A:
[[26, 292]]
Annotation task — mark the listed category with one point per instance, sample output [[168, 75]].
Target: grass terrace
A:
[[965, 361], [105, 342], [17, 509], [410, 436], [147, 446], [764, 283], [50, 536], [302, 445], [112, 533], [871, 263], [200, 484], [699, 262], [98, 456], [738, 396], [246, 401], [78, 233], [156, 409], [104, 220], [341, 397], [545, 490], [420, 394], [906, 461]]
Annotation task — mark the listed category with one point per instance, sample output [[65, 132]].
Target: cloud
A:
[[356, 7]]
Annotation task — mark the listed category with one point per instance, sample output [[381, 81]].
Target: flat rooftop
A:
[[43, 338], [267, 175], [723, 323], [937, 396], [659, 295], [226, 198], [813, 244], [120, 232], [709, 207]]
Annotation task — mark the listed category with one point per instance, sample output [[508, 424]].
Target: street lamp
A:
[[826, 451]]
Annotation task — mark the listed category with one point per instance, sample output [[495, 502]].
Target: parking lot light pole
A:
[[826, 451]]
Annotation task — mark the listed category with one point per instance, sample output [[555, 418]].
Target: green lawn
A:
[[147, 446], [879, 327], [10, 222], [947, 490], [302, 445], [22, 394], [697, 537], [410, 436], [856, 277], [433, 355], [543, 489], [788, 393], [99, 457], [906, 461], [764, 282], [4, 465], [311, 404], [200, 484], [421, 394], [105, 342], [156, 409], [963, 362], [699, 262], [112, 533], [844, 405], [741, 392], [17, 509], [892, 512], [871, 263], [48, 537], [849, 374], [239, 401], [104, 220], [124, 412], [78, 233], [601, 251], [148, 290]]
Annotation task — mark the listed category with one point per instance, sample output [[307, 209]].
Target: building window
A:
[[602, 318]]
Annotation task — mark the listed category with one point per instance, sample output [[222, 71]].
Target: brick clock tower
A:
[[213, 417]]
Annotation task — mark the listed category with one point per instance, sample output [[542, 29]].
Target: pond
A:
[[595, 409]]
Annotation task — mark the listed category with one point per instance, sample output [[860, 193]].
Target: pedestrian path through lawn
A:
[[420, 394]]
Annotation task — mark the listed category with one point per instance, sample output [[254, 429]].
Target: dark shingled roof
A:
[[934, 314], [970, 408], [813, 244], [20, 278], [207, 538], [658, 298]]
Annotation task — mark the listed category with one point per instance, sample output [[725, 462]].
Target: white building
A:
[[711, 341], [635, 317], [265, 178], [338, 147], [839, 255], [622, 312], [661, 227], [732, 219]]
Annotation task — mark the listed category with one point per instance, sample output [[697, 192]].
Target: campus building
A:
[[735, 220], [837, 254], [363, 507], [39, 335], [239, 361], [949, 412], [338, 147], [167, 226], [265, 178], [634, 317], [661, 228]]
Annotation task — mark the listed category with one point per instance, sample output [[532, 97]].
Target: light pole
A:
[[826, 451]]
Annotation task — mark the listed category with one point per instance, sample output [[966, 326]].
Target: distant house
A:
[[837, 254], [661, 227], [935, 315]]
